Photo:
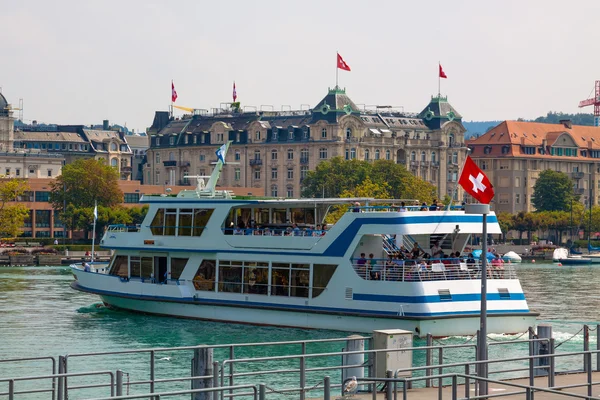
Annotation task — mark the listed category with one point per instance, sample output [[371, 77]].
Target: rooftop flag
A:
[[173, 93], [234, 92], [341, 64], [474, 181], [442, 73]]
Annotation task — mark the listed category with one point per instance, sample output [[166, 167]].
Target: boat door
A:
[[160, 268]]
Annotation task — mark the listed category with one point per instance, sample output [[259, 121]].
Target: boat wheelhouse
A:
[[206, 255]]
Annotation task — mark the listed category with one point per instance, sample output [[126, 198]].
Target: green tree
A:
[[138, 214], [505, 220], [519, 224], [12, 216], [553, 191], [85, 181], [366, 189]]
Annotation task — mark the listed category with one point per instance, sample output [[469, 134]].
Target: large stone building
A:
[[23, 163], [514, 153], [275, 150]]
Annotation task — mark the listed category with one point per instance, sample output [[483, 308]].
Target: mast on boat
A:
[[94, 229]]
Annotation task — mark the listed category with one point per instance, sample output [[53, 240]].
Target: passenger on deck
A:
[[402, 207], [424, 207], [416, 251], [86, 267], [436, 250], [374, 267], [267, 232], [356, 207], [238, 231], [361, 265], [433, 206], [296, 230]]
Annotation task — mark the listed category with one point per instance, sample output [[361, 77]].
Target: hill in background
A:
[[481, 127]]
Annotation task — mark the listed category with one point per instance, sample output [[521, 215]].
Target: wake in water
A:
[[94, 308]]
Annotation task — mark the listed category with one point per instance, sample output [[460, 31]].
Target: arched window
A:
[[273, 154], [388, 155], [348, 133], [423, 156], [377, 154], [238, 156], [413, 156], [114, 162], [433, 156], [171, 156], [352, 153], [367, 154], [113, 146], [455, 158]]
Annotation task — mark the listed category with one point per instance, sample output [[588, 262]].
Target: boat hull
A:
[[455, 325]]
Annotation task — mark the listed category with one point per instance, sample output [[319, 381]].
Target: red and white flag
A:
[[442, 73], [234, 92], [341, 64], [173, 93], [474, 181]]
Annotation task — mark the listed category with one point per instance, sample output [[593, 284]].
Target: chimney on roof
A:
[[567, 123], [105, 125]]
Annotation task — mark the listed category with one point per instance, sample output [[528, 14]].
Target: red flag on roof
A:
[[341, 64], [442, 73], [474, 181], [173, 93], [234, 92]]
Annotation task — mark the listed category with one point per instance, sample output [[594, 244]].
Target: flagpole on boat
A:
[[94, 228]]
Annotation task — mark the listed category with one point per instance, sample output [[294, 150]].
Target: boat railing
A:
[[274, 232], [397, 208], [430, 270], [124, 228]]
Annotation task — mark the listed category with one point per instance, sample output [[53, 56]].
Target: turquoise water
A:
[[41, 315]]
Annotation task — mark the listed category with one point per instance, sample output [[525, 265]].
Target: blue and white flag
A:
[[221, 153], [95, 213]]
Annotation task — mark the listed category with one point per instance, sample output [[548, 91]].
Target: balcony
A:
[[435, 164], [184, 164], [125, 169], [256, 162], [170, 163], [304, 160], [577, 175], [414, 163], [579, 190], [401, 161]]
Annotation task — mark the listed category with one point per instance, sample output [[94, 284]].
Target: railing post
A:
[[551, 365], [231, 369], [262, 391], [61, 379], [477, 366], [454, 387], [428, 359], [588, 357], [354, 343], [598, 347], [215, 377], [467, 382], [586, 347], [302, 376], [11, 390], [119, 389], [388, 384], [202, 366], [152, 371], [440, 362], [326, 388]]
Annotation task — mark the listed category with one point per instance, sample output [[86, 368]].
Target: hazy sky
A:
[[84, 61]]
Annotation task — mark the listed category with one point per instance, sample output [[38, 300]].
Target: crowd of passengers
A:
[[434, 206], [416, 264], [294, 230]]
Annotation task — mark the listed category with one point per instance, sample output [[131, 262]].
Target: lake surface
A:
[[41, 315]]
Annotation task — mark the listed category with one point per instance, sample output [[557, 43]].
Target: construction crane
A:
[[595, 101]]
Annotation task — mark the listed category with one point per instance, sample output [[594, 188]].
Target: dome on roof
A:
[[438, 112], [334, 105], [3, 105]]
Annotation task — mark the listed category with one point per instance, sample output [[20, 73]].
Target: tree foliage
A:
[[85, 181], [366, 189], [554, 117], [553, 191], [334, 177], [12, 216]]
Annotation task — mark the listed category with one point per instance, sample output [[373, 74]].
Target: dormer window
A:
[[348, 133], [487, 149], [505, 149], [275, 134]]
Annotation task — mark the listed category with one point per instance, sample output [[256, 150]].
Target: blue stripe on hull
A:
[[289, 307], [433, 298]]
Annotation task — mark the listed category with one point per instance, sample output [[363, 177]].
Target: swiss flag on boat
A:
[[474, 181]]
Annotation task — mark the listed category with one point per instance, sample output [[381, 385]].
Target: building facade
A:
[[513, 154], [273, 151]]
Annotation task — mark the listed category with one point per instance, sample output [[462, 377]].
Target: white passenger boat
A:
[[207, 255]]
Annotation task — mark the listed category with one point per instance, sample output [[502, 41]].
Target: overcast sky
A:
[[84, 61]]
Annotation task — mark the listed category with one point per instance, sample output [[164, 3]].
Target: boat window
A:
[[205, 276], [135, 267], [230, 276], [119, 267], [256, 277], [158, 222], [147, 267], [177, 266], [170, 221], [280, 279], [279, 216], [299, 280], [185, 222], [201, 218], [322, 274]]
